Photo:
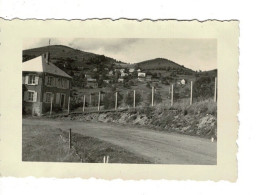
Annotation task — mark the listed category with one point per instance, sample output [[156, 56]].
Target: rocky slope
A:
[[169, 120]]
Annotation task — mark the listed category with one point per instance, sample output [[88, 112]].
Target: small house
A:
[[123, 74], [120, 80], [183, 82], [141, 76], [44, 85], [92, 82], [131, 70], [107, 81], [148, 78]]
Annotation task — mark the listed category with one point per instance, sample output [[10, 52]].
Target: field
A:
[[51, 144]]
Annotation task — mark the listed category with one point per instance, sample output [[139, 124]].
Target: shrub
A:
[[109, 100], [203, 87], [157, 98], [129, 99], [75, 102]]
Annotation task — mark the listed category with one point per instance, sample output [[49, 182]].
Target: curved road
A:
[[158, 147]]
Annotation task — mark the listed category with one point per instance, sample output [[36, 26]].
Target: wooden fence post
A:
[[99, 99], [84, 100], [116, 100], [70, 138], [215, 90], [191, 93], [51, 107], [171, 99], [69, 105], [152, 95], [134, 99]]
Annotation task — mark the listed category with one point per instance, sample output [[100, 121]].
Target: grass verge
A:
[[45, 144]]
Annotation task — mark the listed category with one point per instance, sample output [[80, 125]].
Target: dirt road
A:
[[158, 147]]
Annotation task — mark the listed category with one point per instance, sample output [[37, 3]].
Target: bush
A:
[[203, 87], [109, 100], [129, 99], [157, 98], [75, 103], [201, 107]]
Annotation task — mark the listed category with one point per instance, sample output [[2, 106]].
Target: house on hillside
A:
[[110, 73], [44, 83], [148, 78], [122, 70], [107, 81], [183, 81], [123, 74], [92, 83], [141, 76], [131, 70], [120, 80]]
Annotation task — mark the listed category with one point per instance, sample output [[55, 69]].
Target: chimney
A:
[[46, 56]]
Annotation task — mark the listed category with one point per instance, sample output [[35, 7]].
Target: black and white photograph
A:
[[120, 100]]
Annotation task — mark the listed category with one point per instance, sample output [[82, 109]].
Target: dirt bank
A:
[[169, 120]]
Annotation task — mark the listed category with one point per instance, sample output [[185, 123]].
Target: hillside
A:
[[164, 65], [75, 59]]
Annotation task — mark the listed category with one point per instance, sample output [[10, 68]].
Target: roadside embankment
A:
[[199, 119]]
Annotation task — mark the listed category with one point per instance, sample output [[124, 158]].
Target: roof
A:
[[39, 64]]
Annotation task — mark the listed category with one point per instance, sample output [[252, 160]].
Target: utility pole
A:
[[215, 90], [191, 95], [134, 99], [116, 100], [84, 103], [99, 99], [171, 99], [69, 105], [152, 95]]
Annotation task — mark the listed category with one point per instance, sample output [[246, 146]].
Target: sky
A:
[[196, 54]]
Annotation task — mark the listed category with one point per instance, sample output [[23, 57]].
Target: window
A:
[[32, 80], [59, 83], [50, 81], [30, 96]]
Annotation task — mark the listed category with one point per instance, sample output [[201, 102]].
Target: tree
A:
[[203, 87]]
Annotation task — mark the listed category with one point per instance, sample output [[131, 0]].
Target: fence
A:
[[133, 98]]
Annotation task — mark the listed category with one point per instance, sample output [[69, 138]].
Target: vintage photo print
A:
[[117, 99]]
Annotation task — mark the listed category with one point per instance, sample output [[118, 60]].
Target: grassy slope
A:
[[160, 63], [43, 143]]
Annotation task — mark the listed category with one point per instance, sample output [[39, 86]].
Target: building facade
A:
[[44, 86]]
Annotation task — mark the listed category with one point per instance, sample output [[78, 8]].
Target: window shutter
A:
[[36, 80], [35, 97], [44, 98], [57, 98], [26, 79], [46, 78], [26, 95]]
